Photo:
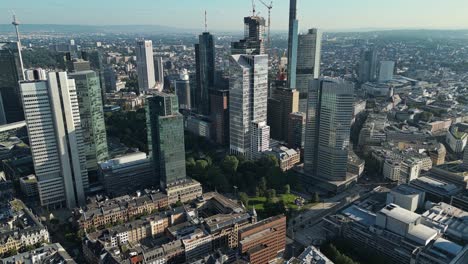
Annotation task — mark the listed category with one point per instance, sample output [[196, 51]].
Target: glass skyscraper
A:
[[254, 37], [292, 44], [166, 138], [328, 125], [11, 109], [88, 89], [205, 71]]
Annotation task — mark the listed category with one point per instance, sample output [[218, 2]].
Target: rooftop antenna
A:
[[253, 7], [16, 23], [206, 24]]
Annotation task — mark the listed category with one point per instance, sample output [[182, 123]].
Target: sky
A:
[[228, 14]]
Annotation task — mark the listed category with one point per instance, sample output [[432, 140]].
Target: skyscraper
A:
[[54, 128], [286, 102], [308, 63], [254, 37], [296, 130], [248, 89], [159, 69], [88, 90], [368, 66], [182, 88], [11, 109], [219, 100], [166, 138], [145, 65], [292, 43], [386, 69], [205, 71], [328, 125]]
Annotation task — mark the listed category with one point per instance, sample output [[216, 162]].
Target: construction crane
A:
[[269, 7]]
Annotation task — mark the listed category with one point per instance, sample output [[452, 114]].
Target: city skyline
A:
[[357, 15]]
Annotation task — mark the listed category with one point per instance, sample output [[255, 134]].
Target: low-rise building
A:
[[456, 139], [406, 197], [310, 255], [52, 253], [287, 157], [184, 191], [28, 185]]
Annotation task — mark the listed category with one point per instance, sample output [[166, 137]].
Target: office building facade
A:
[[219, 100], [10, 74], [308, 63], [93, 127], [248, 89], [145, 65], [296, 130], [205, 71], [54, 128], [292, 43], [286, 101], [368, 66], [166, 138], [329, 115]]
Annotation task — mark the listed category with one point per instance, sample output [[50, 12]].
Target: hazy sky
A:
[[227, 14]]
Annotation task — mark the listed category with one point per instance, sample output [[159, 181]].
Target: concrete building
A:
[[330, 107], [198, 126], [56, 139], [145, 65], [308, 63], [449, 219], [260, 141], [166, 138], [127, 174], [406, 197], [247, 100], [185, 191], [28, 185], [89, 95], [52, 253], [310, 255], [205, 71]]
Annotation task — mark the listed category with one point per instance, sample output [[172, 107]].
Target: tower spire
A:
[[206, 24], [16, 23]]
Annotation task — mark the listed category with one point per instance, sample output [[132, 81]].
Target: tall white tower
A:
[[145, 65], [248, 91], [54, 128]]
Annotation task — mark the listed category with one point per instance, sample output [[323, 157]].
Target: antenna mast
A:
[[16, 23], [206, 24]]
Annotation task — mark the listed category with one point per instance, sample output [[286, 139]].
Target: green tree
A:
[[178, 204], [262, 186], [287, 189], [244, 198], [271, 194], [230, 164]]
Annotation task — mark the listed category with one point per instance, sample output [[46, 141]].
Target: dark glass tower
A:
[[205, 71], [11, 109], [166, 138], [368, 66], [254, 37], [292, 44], [329, 114]]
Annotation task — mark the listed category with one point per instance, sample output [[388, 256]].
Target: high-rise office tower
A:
[[285, 101], [205, 71], [368, 66], [219, 100], [248, 89], [292, 43], [260, 139], [254, 37], [308, 63], [159, 69], [93, 127], [386, 69], [11, 109], [328, 128], [182, 88], [54, 128], [296, 130], [166, 138], [145, 65]]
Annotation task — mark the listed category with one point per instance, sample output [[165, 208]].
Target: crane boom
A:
[[269, 7]]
